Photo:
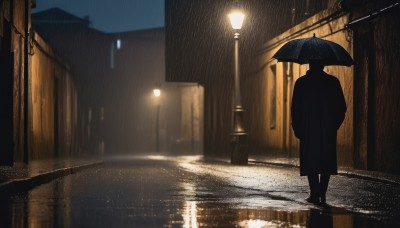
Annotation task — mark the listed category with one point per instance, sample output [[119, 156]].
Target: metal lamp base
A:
[[239, 154]]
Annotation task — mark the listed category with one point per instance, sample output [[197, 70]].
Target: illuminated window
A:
[[119, 44]]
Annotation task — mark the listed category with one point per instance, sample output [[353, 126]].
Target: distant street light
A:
[[157, 94], [239, 154]]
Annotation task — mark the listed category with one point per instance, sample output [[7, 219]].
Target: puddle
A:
[[211, 214]]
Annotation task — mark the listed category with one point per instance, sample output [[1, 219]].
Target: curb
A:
[[349, 174], [18, 185]]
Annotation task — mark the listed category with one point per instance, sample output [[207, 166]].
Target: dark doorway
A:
[[6, 97], [364, 137]]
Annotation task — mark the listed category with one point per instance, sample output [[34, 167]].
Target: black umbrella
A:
[[303, 50]]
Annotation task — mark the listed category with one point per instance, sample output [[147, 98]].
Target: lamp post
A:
[[157, 94], [239, 154]]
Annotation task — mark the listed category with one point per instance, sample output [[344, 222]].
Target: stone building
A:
[[38, 99]]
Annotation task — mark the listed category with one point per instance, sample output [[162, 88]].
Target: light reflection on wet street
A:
[[158, 191]]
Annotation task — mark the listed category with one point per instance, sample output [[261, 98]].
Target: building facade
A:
[[274, 82], [87, 51], [38, 93], [54, 105], [367, 138]]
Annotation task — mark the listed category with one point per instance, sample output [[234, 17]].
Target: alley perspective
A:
[[199, 113]]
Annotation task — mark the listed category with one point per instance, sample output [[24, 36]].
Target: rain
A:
[[158, 113]]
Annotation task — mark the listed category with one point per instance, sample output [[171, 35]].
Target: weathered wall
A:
[[41, 90], [218, 120], [15, 15], [53, 104], [387, 46], [88, 52], [42, 102], [51, 118], [377, 123], [277, 135]]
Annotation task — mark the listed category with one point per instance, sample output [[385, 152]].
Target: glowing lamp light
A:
[[156, 92], [236, 19]]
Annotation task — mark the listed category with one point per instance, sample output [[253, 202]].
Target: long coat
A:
[[318, 110]]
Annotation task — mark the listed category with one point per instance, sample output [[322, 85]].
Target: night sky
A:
[[112, 15]]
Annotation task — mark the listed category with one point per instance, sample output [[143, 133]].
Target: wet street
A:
[[187, 191]]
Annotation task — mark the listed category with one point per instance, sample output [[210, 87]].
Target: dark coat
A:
[[318, 110]]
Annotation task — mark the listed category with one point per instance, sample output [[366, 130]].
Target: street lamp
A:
[[239, 154], [157, 94]]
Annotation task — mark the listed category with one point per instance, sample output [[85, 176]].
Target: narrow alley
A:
[[189, 191]]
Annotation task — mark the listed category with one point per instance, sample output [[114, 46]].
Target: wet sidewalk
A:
[[41, 171], [145, 190], [23, 176], [343, 171]]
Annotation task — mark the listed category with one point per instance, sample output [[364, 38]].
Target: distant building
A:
[[116, 74], [138, 67], [87, 50]]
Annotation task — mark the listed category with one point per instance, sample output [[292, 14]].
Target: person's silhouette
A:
[[318, 110]]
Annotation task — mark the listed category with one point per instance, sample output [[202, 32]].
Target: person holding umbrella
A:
[[318, 109]]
